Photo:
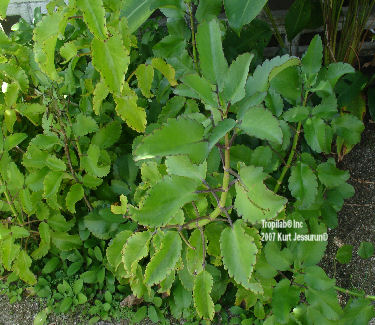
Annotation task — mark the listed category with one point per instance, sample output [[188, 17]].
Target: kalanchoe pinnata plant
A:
[[161, 176]]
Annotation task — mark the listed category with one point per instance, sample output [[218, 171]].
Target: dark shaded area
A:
[[9, 22]]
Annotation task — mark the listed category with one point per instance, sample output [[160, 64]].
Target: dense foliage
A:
[[145, 165]]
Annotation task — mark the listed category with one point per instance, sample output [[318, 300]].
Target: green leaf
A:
[[344, 254], [219, 131], [297, 18], [349, 127], [68, 51], [45, 241], [136, 13], [166, 70], [201, 87], [108, 135], [171, 139], [100, 93], [260, 123], [74, 195], [55, 164], [325, 302], [288, 83], [90, 162], [102, 222], [13, 140], [211, 56], [194, 257], [208, 9], [145, 76], [296, 114], [234, 84], [164, 260], [130, 112], [115, 248], [164, 200], [182, 166], [51, 185], [84, 125], [312, 59], [357, 312], [66, 242], [135, 249], [303, 184], [22, 268], [316, 278], [240, 13], [3, 8], [254, 201], [41, 317], [331, 176], [111, 59], [122, 208], [51, 265], [279, 259], [239, 253], [318, 134], [335, 71], [45, 37], [9, 251], [366, 250], [201, 293], [15, 73], [284, 298], [94, 16]]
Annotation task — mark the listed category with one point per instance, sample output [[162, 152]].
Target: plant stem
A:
[[290, 158], [7, 196], [193, 38], [276, 32], [356, 294]]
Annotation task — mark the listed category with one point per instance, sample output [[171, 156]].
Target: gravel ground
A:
[[356, 220]]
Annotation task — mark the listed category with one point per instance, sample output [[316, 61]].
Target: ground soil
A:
[[356, 220]]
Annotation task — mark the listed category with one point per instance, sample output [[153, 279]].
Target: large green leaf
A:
[[284, 298], [111, 59], [84, 125], [260, 123], [90, 162], [115, 248], [135, 249], [164, 200], [22, 268], [312, 60], [208, 9], [303, 184], [145, 76], [349, 127], [100, 93], [136, 13], [164, 260], [130, 112], [51, 185], [3, 8], [66, 242], [74, 195], [318, 134], [201, 87], [254, 201], [172, 139], [316, 278], [331, 176], [182, 166], [94, 16], [239, 253], [211, 56], [45, 37], [102, 222], [234, 84], [202, 300], [194, 257], [242, 12], [288, 83], [325, 302], [297, 17]]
